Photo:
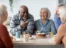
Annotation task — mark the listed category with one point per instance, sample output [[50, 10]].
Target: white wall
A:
[[33, 5], [6, 2]]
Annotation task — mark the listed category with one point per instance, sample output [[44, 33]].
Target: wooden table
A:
[[36, 43]]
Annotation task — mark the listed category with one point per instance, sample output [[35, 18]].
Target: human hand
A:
[[23, 24]]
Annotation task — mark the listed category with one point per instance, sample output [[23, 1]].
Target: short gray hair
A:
[[2, 9], [48, 11], [61, 4], [62, 12]]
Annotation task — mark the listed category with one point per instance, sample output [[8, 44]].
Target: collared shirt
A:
[[47, 27], [57, 21], [15, 24]]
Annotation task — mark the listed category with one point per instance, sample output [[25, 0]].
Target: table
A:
[[37, 43]]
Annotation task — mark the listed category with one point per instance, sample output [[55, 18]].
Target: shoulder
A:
[[36, 21], [2, 27], [56, 17], [62, 28], [16, 16], [50, 21], [3, 31], [30, 16]]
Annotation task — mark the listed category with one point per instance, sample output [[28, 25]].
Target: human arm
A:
[[15, 25], [30, 27]]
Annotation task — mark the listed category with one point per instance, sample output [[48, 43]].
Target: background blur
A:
[[33, 5]]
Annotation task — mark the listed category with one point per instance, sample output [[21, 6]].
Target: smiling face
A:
[[23, 12], [43, 14], [57, 11]]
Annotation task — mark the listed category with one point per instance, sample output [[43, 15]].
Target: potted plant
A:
[[11, 5]]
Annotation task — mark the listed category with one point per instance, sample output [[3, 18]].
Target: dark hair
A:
[[25, 7]]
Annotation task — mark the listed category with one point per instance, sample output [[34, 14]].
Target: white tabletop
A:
[[36, 41]]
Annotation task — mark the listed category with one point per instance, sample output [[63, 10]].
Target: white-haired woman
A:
[[61, 34], [44, 24], [5, 40]]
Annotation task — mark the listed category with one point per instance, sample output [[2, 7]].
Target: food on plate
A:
[[40, 35]]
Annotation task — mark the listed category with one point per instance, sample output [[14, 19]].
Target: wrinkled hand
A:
[[23, 24]]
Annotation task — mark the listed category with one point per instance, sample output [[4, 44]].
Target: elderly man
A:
[[57, 20], [23, 21]]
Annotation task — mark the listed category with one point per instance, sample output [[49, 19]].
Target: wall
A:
[[33, 5], [6, 2]]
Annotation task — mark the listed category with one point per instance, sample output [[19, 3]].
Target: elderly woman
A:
[[61, 34], [5, 40], [44, 24]]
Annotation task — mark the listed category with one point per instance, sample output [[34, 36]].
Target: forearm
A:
[[13, 30], [30, 28]]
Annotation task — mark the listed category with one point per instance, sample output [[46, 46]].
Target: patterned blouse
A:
[[47, 27]]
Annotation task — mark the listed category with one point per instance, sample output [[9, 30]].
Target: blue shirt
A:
[[57, 21], [47, 27]]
